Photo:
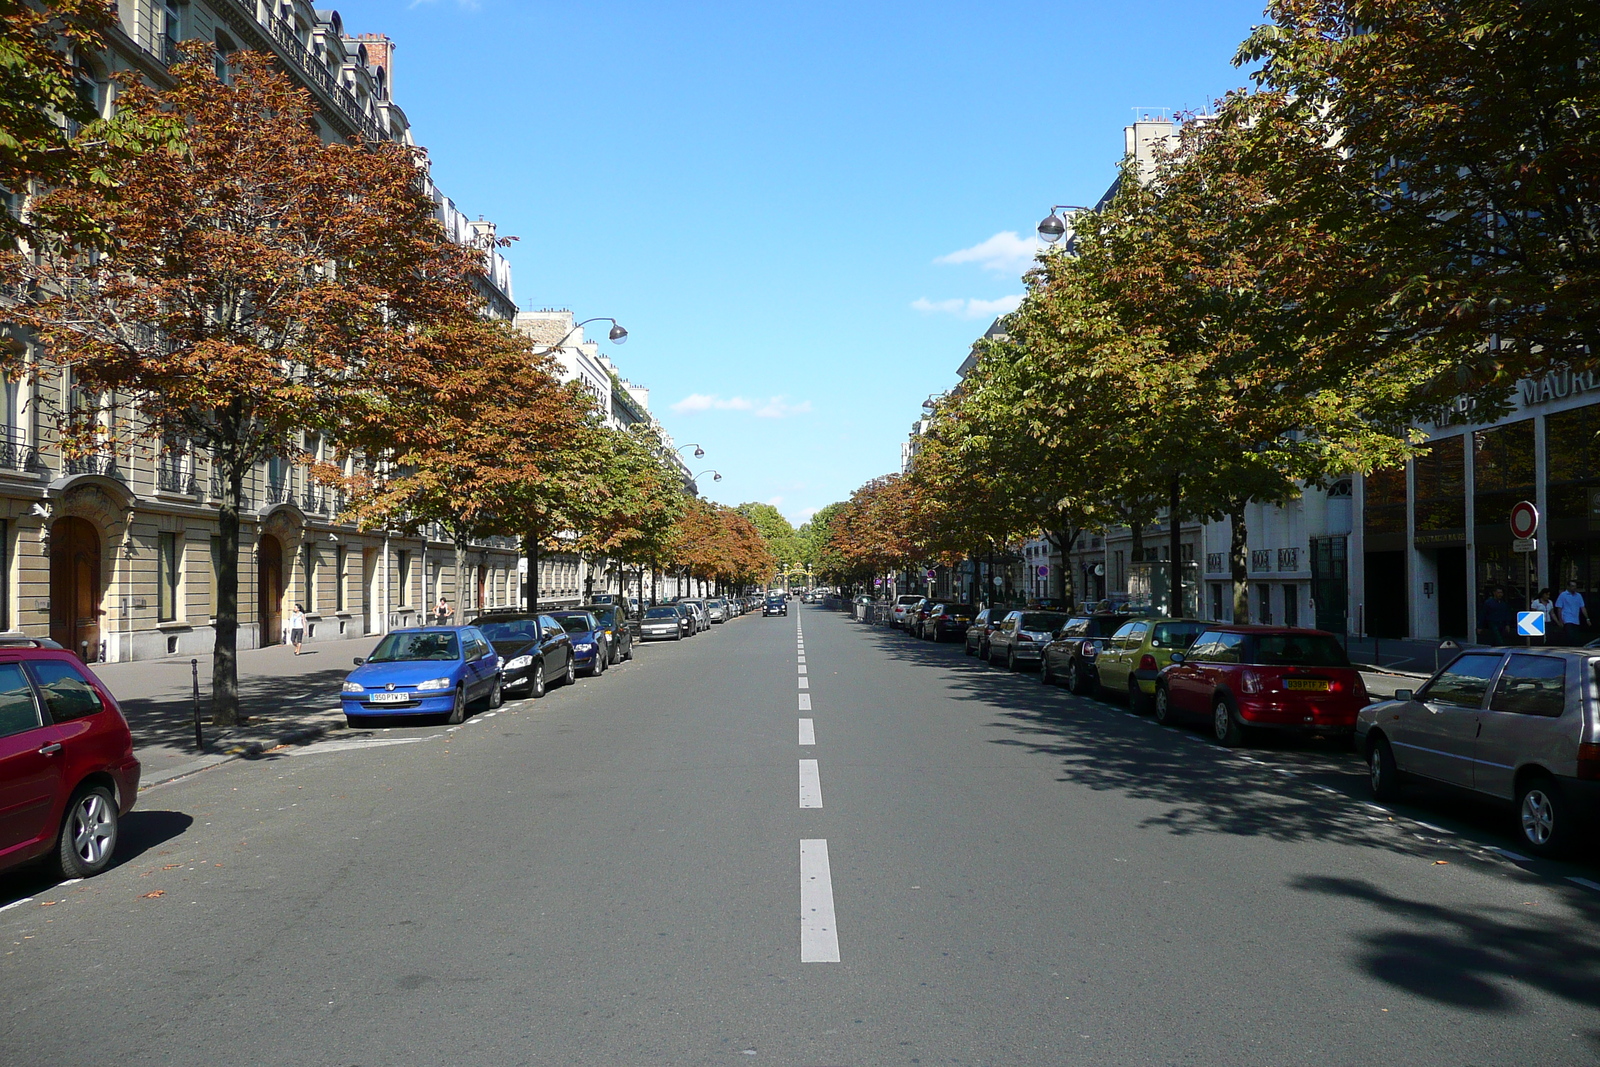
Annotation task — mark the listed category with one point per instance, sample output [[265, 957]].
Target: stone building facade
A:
[[115, 555]]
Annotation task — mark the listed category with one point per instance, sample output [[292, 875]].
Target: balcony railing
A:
[[172, 478], [219, 490], [1288, 559], [290, 42], [1214, 563], [1261, 559], [15, 452], [103, 465], [279, 494]]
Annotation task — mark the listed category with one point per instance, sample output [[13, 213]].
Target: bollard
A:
[[194, 670]]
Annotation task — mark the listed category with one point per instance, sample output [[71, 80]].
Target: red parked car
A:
[[1242, 678], [67, 769]]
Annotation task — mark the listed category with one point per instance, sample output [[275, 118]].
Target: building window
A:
[[308, 574], [1291, 605], [1266, 604], [403, 565], [167, 578], [341, 576]]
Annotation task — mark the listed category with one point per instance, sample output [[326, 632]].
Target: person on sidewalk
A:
[[1545, 606], [1571, 612], [442, 612], [1494, 619], [297, 627]]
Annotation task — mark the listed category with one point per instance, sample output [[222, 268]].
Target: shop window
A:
[[1441, 486], [167, 578], [1385, 510], [341, 578], [1502, 474]]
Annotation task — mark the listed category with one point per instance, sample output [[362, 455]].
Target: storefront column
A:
[[1422, 615], [1470, 481]]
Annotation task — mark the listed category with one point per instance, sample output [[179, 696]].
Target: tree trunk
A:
[[225, 651], [461, 568], [1239, 564], [1175, 587]]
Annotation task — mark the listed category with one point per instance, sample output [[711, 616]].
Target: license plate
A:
[[1307, 685], [391, 698]]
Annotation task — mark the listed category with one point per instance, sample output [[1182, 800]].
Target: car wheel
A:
[[600, 658], [1381, 770], [1163, 708], [572, 670], [497, 695], [1045, 677], [1136, 701], [1011, 661], [88, 833], [966, 647], [1224, 726], [536, 687], [458, 710], [1077, 684], [628, 654], [1544, 817]]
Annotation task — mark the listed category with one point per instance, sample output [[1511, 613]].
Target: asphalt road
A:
[[625, 873]]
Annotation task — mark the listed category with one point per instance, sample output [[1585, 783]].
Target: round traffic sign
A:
[[1044, 571], [1524, 519]]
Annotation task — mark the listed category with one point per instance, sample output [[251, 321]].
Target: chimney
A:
[[380, 53]]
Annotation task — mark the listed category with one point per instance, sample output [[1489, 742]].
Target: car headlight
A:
[[519, 663], [354, 687], [434, 683], [583, 646]]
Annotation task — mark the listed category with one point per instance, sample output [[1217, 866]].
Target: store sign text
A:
[[1557, 385]]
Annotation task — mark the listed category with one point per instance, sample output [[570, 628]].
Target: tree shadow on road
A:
[[1473, 959]]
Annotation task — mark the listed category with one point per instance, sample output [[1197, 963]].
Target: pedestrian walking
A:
[[297, 627], [1494, 618], [1572, 612], [442, 612], [1546, 607]]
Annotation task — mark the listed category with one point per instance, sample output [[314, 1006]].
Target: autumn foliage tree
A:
[[253, 275]]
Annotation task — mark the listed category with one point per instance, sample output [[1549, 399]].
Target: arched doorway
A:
[[75, 587], [269, 589]]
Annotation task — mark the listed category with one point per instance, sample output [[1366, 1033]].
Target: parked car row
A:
[[1518, 725]]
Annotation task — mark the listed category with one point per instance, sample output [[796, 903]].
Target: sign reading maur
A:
[[1524, 520]]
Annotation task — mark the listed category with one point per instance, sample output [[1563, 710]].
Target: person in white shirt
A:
[[1543, 604], [1572, 612], [297, 627]]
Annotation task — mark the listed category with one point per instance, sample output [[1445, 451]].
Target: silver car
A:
[[1517, 724], [717, 610]]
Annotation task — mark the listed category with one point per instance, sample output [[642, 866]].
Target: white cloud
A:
[[968, 309], [1004, 253], [805, 514], [775, 501], [776, 407]]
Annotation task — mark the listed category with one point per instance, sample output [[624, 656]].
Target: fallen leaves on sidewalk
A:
[[157, 893]]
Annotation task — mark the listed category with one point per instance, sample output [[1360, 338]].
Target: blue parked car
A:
[[588, 635], [436, 670]]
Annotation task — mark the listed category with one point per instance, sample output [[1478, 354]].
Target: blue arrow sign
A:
[[1530, 624]]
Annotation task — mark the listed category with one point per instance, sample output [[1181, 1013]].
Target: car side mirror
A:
[[359, 661], [1178, 657], [1404, 694]]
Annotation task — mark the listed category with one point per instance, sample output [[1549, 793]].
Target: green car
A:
[[1137, 652]]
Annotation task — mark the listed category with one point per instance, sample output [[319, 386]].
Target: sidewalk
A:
[[286, 698]]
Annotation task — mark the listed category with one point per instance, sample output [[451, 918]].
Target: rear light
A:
[[1250, 682], [1589, 762], [1088, 650], [1147, 662], [944, 618], [1024, 637]]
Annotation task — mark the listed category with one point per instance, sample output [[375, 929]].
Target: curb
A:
[[236, 752]]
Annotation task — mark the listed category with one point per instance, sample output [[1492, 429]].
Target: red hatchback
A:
[[67, 769], [1262, 677]]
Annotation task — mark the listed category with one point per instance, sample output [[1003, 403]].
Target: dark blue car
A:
[[435, 670], [589, 646]]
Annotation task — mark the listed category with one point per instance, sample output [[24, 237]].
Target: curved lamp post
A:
[[698, 451], [1054, 227], [715, 476], [617, 335]]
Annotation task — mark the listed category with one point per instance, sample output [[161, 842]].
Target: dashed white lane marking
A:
[[802, 657], [347, 746], [810, 784], [819, 937], [805, 701], [805, 683], [1585, 882], [1514, 857], [808, 732], [802, 668]]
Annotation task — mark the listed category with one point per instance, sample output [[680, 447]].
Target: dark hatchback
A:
[[536, 650], [947, 621], [775, 605], [614, 625], [588, 640], [1072, 656]]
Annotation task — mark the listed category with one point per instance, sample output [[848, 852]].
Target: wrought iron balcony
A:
[[172, 478], [1261, 559], [99, 463], [280, 494], [15, 452], [1214, 563], [1288, 559]]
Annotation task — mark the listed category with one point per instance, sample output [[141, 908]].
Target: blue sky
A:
[[803, 213]]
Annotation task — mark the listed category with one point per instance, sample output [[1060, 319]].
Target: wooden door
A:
[[75, 587], [269, 589]]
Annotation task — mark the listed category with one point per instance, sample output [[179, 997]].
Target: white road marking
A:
[[1586, 883], [819, 936], [802, 657], [29, 900], [808, 733], [810, 784], [347, 746], [805, 683], [1512, 856], [802, 668], [1430, 826], [805, 701]]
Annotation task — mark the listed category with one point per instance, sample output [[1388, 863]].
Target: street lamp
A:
[[1054, 227], [715, 476], [617, 335], [698, 451]]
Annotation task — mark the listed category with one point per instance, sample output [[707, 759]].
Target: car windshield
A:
[[511, 629], [1175, 634], [575, 624], [959, 609], [1298, 650], [604, 615], [407, 647], [1041, 622], [661, 613]]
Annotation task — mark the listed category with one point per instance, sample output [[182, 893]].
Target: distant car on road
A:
[[665, 622], [1074, 655], [534, 650], [1246, 678], [67, 769], [588, 640], [774, 605], [433, 670], [902, 604], [1022, 635], [1138, 652], [977, 637], [717, 610], [619, 639], [947, 620]]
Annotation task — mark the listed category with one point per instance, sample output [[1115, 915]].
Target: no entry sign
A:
[[1524, 520]]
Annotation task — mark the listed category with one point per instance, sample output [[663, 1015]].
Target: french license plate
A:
[[1307, 685], [391, 698]]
